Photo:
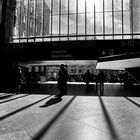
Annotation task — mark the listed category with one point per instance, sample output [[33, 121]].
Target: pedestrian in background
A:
[[18, 77], [101, 79], [87, 78]]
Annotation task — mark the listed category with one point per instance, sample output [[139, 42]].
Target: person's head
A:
[[62, 66]]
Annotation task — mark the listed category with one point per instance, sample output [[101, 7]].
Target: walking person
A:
[[62, 81], [87, 78], [121, 78], [18, 77], [101, 79]]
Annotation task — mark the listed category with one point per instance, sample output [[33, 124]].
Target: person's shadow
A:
[[51, 102]]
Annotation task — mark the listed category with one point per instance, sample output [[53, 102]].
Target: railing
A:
[[134, 78]]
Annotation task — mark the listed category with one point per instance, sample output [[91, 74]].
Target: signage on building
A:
[[61, 54], [74, 50]]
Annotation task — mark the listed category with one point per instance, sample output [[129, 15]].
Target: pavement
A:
[[36, 114]]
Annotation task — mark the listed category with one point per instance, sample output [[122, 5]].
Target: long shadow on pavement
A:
[[52, 101], [5, 96], [14, 99], [45, 128], [21, 109], [110, 124], [132, 101]]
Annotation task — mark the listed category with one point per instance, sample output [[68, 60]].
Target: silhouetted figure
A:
[[29, 79], [18, 77], [62, 80], [125, 78], [101, 79], [121, 78], [87, 78]]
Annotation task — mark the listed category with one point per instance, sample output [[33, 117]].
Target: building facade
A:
[[31, 19]]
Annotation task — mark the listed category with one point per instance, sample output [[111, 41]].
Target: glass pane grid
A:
[[53, 20]]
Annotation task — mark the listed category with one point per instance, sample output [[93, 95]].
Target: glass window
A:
[[90, 23], [64, 24], [108, 5], [136, 19], [64, 6], [55, 25], [117, 23], [90, 6], [99, 23], [99, 5], [72, 6], [72, 24], [51, 18], [39, 17], [56, 7], [117, 5], [126, 5], [126, 25], [108, 22], [81, 24], [46, 20], [81, 6]]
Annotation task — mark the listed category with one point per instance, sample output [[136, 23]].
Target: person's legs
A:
[[65, 89], [87, 85], [101, 89], [17, 89]]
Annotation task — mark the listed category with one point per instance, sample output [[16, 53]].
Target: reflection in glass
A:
[[55, 7]]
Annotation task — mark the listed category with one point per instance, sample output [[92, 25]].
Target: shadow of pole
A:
[[132, 101], [14, 99], [21, 109], [110, 124], [44, 129]]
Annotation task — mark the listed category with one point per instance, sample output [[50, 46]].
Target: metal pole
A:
[[51, 18], [94, 22], [103, 20], [113, 18], [85, 20], [68, 17], [59, 19], [122, 22], [76, 19]]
